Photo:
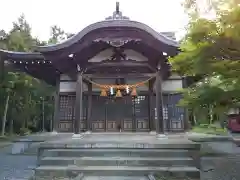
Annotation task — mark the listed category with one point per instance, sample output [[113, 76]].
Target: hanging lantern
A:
[[118, 94], [103, 92], [134, 92]]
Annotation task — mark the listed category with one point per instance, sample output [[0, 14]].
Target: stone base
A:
[[88, 132], [81, 135], [54, 132], [153, 132], [77, 136], [162, 136], [19, 147]]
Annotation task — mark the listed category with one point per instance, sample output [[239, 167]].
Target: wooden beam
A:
[[110, 76]]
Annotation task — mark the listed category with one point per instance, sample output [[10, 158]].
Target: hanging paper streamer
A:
[[103, 92], [134, 92], [118, 94]]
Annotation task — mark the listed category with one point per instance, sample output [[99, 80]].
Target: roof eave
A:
[[21, 55], [106, 24]]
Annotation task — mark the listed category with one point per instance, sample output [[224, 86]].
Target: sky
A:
[[74, 15]]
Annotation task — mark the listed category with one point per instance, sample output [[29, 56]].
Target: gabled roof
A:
[[115, 21], [106, 24], [47, 61]]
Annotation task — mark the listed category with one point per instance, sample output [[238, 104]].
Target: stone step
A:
[[130, 178], [237, 141], [117, 161], [119, 144], [117, 152], [115, 178], [49, 172]]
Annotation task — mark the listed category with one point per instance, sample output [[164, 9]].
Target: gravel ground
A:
[[221, 168], [15, 167]]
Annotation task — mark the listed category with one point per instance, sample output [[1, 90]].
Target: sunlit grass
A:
[[210, 130]]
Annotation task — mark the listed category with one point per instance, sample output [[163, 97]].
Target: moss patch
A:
[[6, 140], [157, 177], [209, 130], [211, 154]]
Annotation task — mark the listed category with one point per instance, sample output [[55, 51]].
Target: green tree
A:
[[57, 35], [211, 50], [22, 93]]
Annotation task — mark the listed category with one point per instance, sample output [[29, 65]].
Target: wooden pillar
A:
[[159, 104], [150, 106], [1, 76], [1, 69], [186, 115], [79, 102], [89, 111], [56, 106], [134, 119]]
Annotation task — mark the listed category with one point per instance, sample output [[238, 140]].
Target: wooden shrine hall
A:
[[113, 76]]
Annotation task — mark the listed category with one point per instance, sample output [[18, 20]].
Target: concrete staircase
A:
[[120, 162]]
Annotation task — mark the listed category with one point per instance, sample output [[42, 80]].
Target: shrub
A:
[[24, 131]]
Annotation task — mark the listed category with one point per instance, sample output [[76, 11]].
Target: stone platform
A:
[[119, 155], [28, 145]]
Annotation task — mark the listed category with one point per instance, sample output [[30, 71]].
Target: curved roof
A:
[[115, 21], [31, 63], [107, 24], [43, 63]]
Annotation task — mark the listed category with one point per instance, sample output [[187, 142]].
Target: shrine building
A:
[[112, 76]]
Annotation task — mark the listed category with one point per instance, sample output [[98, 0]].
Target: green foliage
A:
[[24, 131], [57, 35], [211, 49], [209, 129], [23, 113]]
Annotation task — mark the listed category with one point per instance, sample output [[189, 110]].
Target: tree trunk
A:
[[4, 119], [194, 119], [23, 124], [210, 114], [11, 127]]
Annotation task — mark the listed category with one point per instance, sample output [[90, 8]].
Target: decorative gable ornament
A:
[[117, 14]]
